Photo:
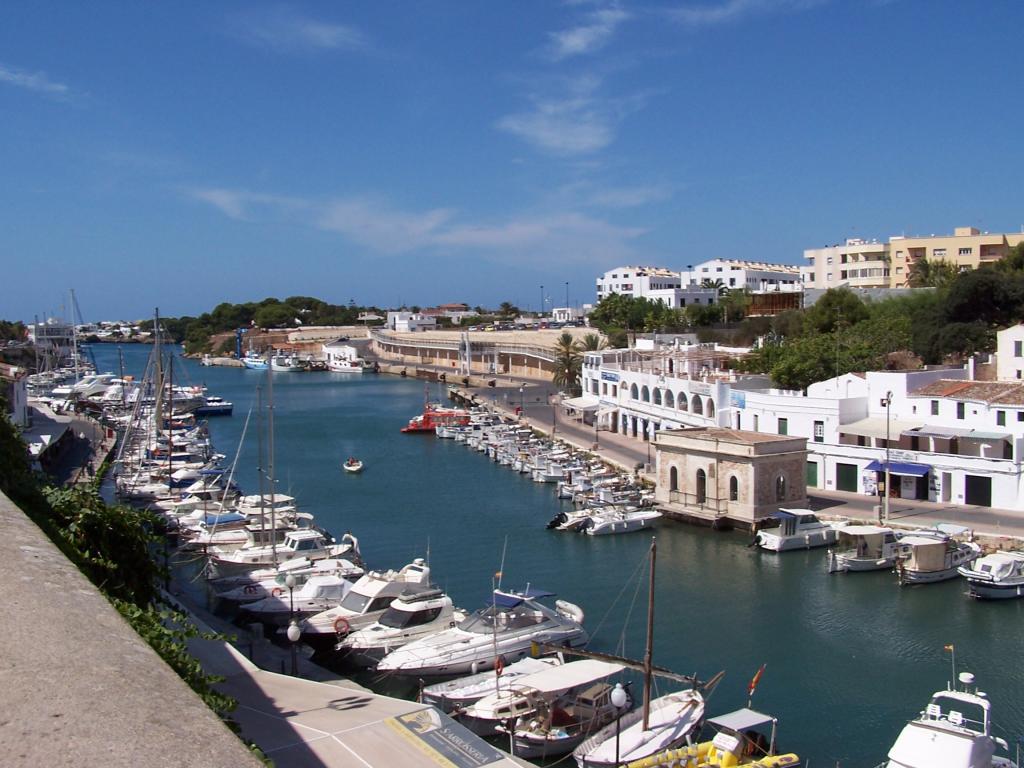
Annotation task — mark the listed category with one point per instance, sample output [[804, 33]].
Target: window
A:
[[702, 486], [935, 407], [673, 479], [645, 394], [1020, 415], [899, 270], [634, 392], [755, 422], [1018, 349], [783, 426], [819, 431], [938, 253], [960, 410], [899, 254], [843, 274], [828, 260], [966, 251], [1001, 418], [734, 489], [780, 488], [697, 406], [657, 396]]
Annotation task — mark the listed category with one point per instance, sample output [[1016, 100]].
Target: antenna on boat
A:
[[501, 568], [952, 653]]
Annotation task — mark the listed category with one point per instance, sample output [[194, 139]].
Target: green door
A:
[[978, 490], [846, 477], [812, 474]]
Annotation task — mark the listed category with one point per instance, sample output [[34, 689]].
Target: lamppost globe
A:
[[294, 633], [289, 581], [618, 696]]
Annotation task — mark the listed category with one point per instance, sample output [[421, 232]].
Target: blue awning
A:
[[899, 468]]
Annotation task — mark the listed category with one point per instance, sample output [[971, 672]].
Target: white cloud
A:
[[588, 37], [704, 15], [576, 123], [285, 31], [388, 231], [33, 81]]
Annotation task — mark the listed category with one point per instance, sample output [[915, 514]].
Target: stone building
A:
[[729, 477]]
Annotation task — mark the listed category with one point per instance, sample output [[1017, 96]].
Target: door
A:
[[978, 490], [947, 486], [812, 474], [846, 477]]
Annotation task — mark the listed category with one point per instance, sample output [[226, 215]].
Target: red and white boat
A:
[[435, 416]]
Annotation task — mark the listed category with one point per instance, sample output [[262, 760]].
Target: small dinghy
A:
[[353, 465]]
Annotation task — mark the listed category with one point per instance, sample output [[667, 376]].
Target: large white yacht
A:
[[953, 731], [498, 634]]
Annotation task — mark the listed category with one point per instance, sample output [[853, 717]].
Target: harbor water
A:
[[849, 657]]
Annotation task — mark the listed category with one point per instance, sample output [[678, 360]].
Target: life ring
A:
[[341, 625], [276, 592], [499, 664], [250, 589]]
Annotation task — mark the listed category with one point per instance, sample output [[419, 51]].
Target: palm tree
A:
[[717, 285], [507, 310], [592, 342], [931, 274], [568, 363]]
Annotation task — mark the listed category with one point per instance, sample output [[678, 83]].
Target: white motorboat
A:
[[864, 548], [798, 529], [302, 542], [953, 731], [364, 604], [455, 694], [319, 593], [498, 634], [251, 590], [674, 718], [536, 694], [933, 555], [414, 614], [282, 362], [996, 577], [352, 465], [619, 520], [254, 361]]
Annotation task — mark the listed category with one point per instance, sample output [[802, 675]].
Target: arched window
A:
[[645, 394], [780, 488], [702, 486], [711, 407], [634, 392], [673, 479], [657, 396], [697, 406], [683, 403], [670, 399], [734, 488]]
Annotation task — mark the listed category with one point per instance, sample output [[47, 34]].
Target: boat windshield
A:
[[398, 619], [490, 620], [355, 602]]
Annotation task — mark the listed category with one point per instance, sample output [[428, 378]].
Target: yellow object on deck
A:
[[703, 755]]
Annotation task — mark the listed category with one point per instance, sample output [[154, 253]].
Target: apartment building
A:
[[754, 276], [872, 264], [654, 284]]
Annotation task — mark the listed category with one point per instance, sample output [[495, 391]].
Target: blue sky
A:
[[182, 154]]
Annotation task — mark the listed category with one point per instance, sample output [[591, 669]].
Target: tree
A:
[[1013, 261], [274, 316], [508, 310], [716, 284], [568, 363], [836, 305], [931, 274], [592, 342]]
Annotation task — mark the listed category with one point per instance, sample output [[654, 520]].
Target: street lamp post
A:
[[567, 299], [885, 499], [541, 313], [618, 699], [294, 633], [522, 403]]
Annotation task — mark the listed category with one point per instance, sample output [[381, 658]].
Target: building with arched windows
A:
[[729, 477]]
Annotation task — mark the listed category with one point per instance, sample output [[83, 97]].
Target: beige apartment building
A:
[[872, 264]]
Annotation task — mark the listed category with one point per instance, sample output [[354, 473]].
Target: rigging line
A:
[[231, 474], [611, 607], [632, 605]]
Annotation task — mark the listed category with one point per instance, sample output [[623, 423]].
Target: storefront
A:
[[907, 480]]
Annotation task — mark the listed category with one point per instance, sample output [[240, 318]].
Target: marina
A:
[[858, 648]]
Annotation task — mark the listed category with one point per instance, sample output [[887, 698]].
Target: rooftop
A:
[[992, 392], [726, 435]]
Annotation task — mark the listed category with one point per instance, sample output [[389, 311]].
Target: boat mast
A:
[[649, 650], [170, 421], [158, 378], [259, 464], [74, 335], [270, 455]]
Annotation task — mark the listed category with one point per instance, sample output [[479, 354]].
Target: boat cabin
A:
[[796, 521], [742, 736], [867, 541]]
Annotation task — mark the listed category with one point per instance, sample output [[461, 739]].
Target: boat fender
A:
[[341, 625], [474, 667], [250, 589], [499, 664], [276, 592]]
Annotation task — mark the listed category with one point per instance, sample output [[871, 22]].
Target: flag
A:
[[754, 681], [497, 574], [948, 648]]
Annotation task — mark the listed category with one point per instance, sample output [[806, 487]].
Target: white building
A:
[[637, 282], [857, 263], [948, 439], [1010, 353], [754, 276], [406, 322], [566, 314]]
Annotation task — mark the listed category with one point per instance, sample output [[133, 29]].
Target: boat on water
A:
[[864, 548], [352, 465], [214, 406], [364, 604], [450, 695], [343, 358], [798, 529], [249, 590], [542, 702], [934, 555], [998, 576], [318, 593], [953, 731], [619, 520], [500, 633], [740, 738], [414, 614], [434, 416], [302, 542], [285, 362], [254, 361]]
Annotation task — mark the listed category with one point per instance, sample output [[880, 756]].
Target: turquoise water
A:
[[849, 657]]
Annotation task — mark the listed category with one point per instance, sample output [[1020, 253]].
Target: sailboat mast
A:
[[158, 377], [270, 456], [259, 464], [649, 650], [170, 420]]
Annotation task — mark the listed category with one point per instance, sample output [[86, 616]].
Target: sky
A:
[[182, 154]]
